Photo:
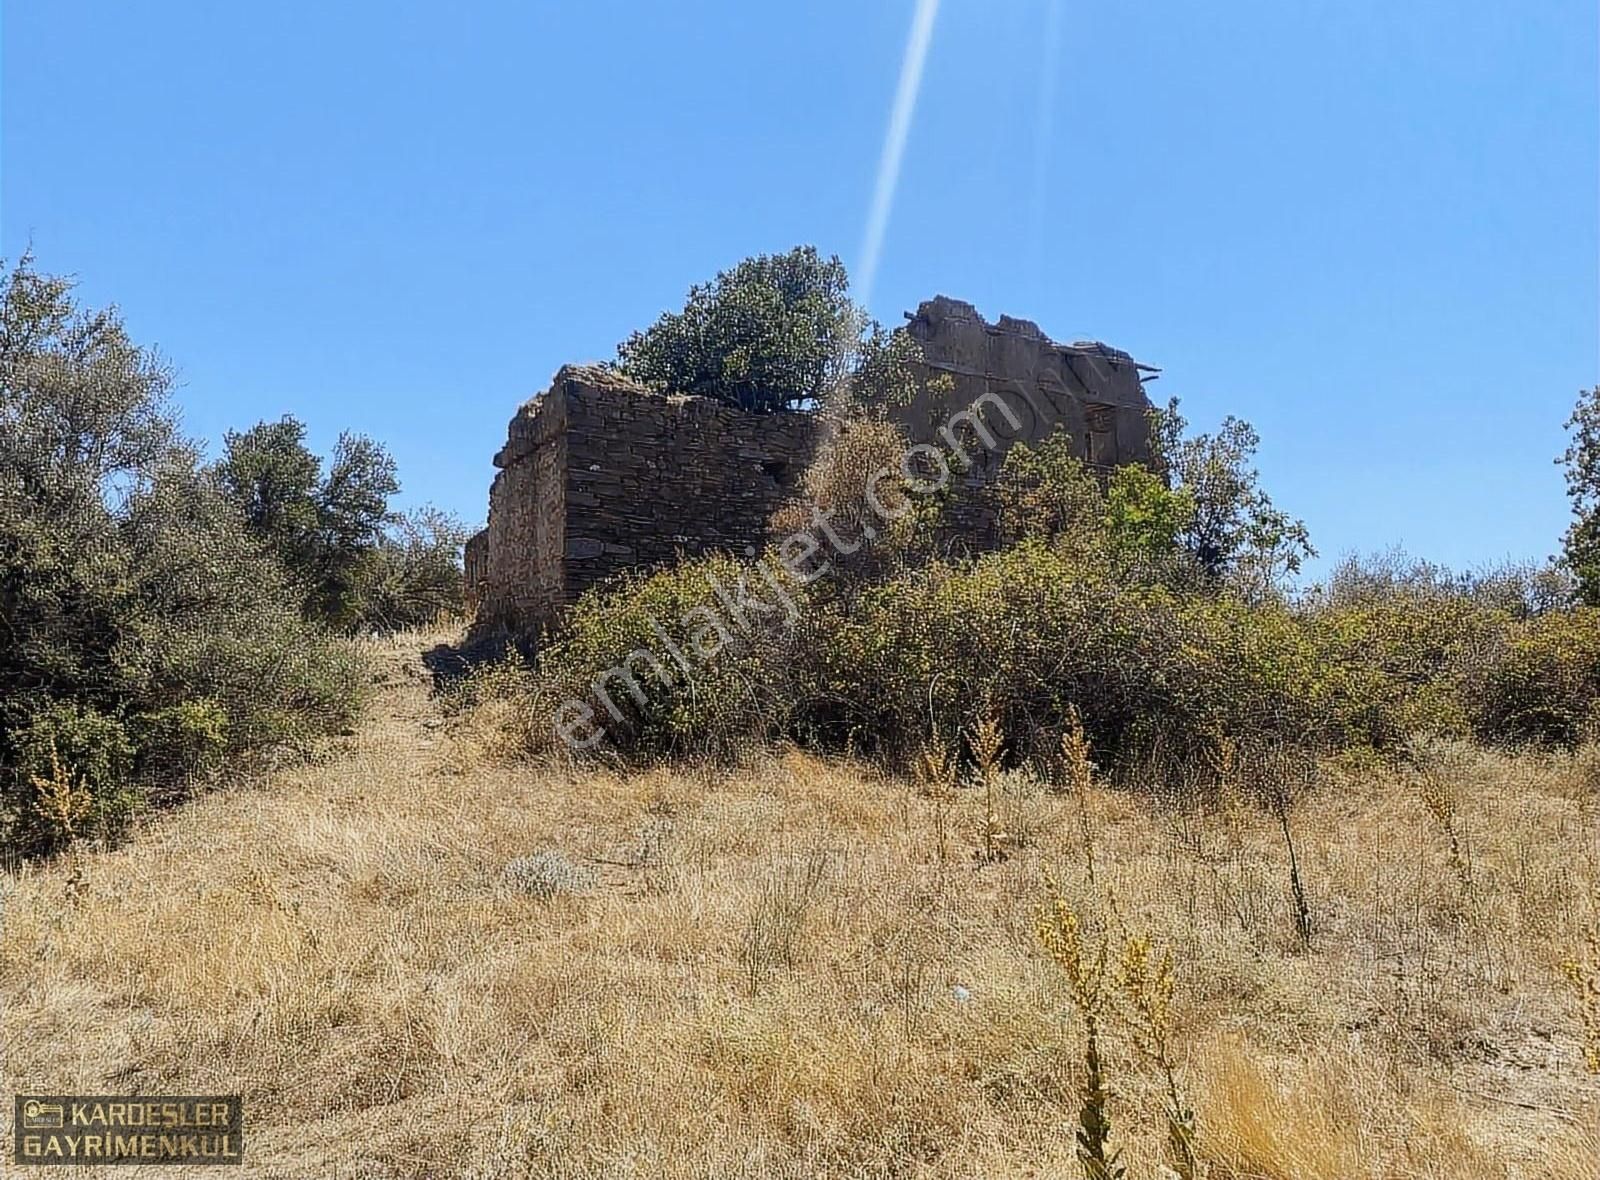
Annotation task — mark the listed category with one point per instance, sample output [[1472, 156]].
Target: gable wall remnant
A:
[[1022, 386]]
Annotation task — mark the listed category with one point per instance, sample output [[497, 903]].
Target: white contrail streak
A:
[[894, 146], [1044, 129]]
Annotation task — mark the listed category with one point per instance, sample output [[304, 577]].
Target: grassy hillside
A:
[[801, 969]]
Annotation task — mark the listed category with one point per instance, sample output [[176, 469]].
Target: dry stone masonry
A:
[[1092, 390], [600, 475], [994, 385]]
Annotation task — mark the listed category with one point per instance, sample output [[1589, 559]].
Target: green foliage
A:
[[854, 481], [1144, 517], [1431, 652], [1543, 684], [354, 509], [187, 738], [1233, 531], [144, 623], [1215, 522], [356, 564], [884, 376], [778, 331], [1150, 603], [1163, 675], [1407, 635], [1519, 590], [416, 576], [1028, 635], [617, 646], [1034, 635], [1582, 461], [1045, 491], [64, 744], [270, 473]]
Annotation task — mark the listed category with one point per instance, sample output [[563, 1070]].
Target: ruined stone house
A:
[[600, 475]]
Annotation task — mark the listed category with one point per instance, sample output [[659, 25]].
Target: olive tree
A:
[[778, 331], [145, 632]]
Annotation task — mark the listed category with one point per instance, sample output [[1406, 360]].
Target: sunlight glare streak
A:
[[894, 146]]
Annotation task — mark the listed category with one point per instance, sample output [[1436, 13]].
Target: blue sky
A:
[[1369, 228]]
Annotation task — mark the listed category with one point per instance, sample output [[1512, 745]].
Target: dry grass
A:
[[802, 970]]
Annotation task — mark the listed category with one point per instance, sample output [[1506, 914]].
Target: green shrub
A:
[[354, 564], [775, 332], [1163, 676], [665, 666], [70, 749], [182, 740], [1543, 683], [148, 630], [1044, 491], [1026, 635], [416, 577], [1030, 636], [1408, 657]]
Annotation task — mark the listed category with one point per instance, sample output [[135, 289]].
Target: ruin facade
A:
[[1023, 387], [600, 475], [1091, 390]]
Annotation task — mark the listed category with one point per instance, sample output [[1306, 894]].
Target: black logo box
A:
[[128, 1129]]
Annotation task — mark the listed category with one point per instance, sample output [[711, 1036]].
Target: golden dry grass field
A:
[[800, 969]]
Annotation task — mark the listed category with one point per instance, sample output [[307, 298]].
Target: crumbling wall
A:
[[990, 386], [525, 578], [601, 475], [1096, 392]]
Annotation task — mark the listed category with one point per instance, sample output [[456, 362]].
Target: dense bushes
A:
[[147, 635], [1101, 606], [663, 666], [1160, 676], [1027, 635], [1543, 684]]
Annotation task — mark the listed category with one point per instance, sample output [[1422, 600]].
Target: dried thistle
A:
[[61, 803], [987, 739], [1144, 991], [1440, 799], [936, 768], [1080, 777], [1060, 931]]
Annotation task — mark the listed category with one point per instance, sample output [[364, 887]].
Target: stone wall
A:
[[600, 475], [524, 578], [1096, 392], [1022, 386]]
